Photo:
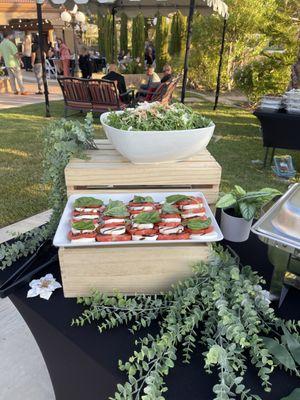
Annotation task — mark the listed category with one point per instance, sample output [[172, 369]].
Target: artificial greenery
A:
[[246, 204], [157, 117], [63, 139], [224, 307]]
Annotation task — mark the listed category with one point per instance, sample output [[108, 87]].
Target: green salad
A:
[[157, 117]]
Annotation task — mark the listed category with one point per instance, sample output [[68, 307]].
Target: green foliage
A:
[[266, 76], [116, 208], [252, 26], [157, 117], [134, 67], [229, 308], [178, 27], [161, 42], [101, 33], [124, 33], [295, 395], [110, 45], [138, 38], [63, 139], [246, 204]]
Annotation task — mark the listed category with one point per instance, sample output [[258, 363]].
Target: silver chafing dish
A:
[[279, 227]]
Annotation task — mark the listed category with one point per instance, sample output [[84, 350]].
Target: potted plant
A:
[[238, 210], [157, 133]]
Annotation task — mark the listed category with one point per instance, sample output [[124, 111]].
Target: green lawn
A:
[[237, 142]]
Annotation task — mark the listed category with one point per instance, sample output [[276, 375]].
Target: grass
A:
[[236, 143]]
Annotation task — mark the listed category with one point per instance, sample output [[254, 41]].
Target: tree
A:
[[100, 24], [161, 42], [178, 26], [124, 33], [138, 37], [251, 28]]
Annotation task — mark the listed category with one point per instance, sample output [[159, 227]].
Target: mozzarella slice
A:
[[83, 240], [167, 230], [115, 230], [171, 220], [192, 215], [142, 208], [80, 217], [94, 210], [191, 206], [114, 220], [75, 231], [151, 238], [142, 226]]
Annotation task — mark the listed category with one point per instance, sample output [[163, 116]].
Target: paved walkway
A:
[[9, 100]]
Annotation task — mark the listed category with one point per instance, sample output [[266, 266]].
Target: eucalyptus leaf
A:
[[295, 395], [279, 352]]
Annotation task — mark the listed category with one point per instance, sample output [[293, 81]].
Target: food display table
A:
[[279, 130], [83, 363], [147, 268]]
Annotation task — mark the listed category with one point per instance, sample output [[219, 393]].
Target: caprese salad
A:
[[179, 217]]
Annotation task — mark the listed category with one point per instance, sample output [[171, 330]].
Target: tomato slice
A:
[[200, 231], [169, 224], [96, 213], [135, 212], [164, 216], [194, 210], [174, 236], [131, 204], [143, 232], [191, 200], [113, 238], [72, 236]]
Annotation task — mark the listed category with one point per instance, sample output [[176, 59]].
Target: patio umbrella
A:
[[151, 8]]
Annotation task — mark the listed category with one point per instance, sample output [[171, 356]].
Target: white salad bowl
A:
[[147, 147]]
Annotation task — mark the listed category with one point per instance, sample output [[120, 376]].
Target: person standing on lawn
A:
[[36, 62], [64, 56], [12, 61]]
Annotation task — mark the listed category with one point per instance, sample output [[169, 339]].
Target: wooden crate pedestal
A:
[[147, 268]]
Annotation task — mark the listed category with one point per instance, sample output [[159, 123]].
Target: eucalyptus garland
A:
[[63, 140], [222, 306]]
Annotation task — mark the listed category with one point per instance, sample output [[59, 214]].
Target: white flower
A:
[[43, 287]]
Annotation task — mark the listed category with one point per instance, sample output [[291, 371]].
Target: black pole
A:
[[220, 65], [41, 46], [187, 49], [113, 11]]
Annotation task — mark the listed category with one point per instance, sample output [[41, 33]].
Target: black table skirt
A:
[[83, 363]]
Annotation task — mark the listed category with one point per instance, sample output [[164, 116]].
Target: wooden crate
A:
[[147, 268], [128, 269], [108, 171]]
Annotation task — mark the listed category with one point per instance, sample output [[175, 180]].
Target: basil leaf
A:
[[116, 208], [174, 198], [142, 199], [87, 202], [167, 208], [197, 223], [83, 225], [147, 217]]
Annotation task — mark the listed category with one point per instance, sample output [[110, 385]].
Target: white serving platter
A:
[[61, 235]]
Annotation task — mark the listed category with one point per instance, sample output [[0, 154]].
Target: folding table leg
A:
[[266, 156]]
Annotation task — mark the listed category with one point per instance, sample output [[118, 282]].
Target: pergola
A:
[[149, 8]]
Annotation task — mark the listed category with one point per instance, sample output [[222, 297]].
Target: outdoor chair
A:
[[76, 94], [163, 93], [96, 95], [51, 71]]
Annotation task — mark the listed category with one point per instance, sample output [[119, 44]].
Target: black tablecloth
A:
[[279, 129], [83, 363]]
